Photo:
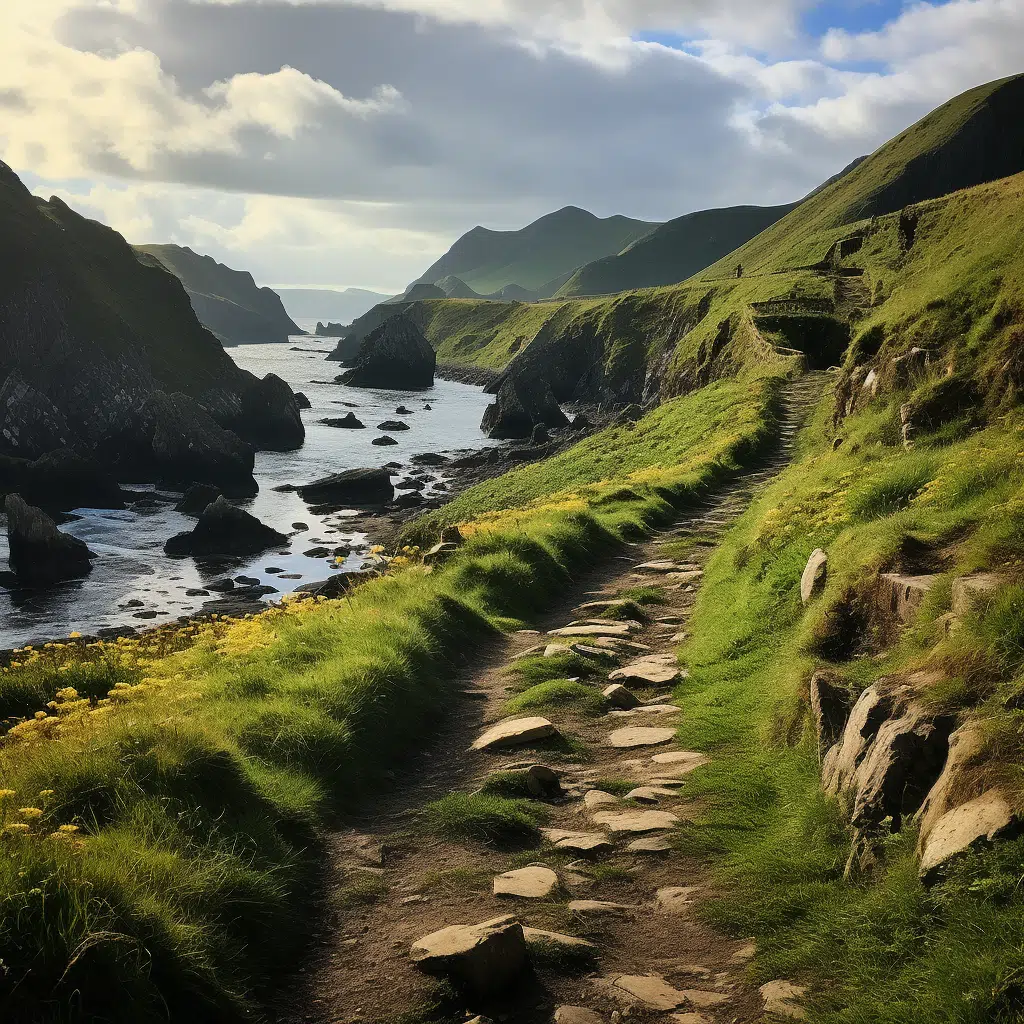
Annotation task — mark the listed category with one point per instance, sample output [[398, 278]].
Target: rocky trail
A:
[[594, 917]]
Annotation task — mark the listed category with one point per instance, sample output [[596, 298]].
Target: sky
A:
[[335, 143]]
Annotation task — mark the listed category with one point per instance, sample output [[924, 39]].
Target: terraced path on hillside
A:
[[606, 869]]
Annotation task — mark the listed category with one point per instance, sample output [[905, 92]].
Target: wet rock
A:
[[640, 737], [224, 530], [347, 422], [519, 406], [783, 998], [301, 401], [812, 583], [395, 355], [196, 592], [533, 883], [40, 554], [539, 435], [187, 444], [196, 499], [412, 485], [247, 581], [269, 415], [486, 958], [60, 480], [429, 459], [411, 499], [618, 696], [384, 441], [317, 553], [831, 702], [351, 487], [402, 411], [515, 733], [393, 425]]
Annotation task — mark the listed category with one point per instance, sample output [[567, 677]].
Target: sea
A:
[[133, 583]]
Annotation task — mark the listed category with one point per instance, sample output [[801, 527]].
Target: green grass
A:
[[484, 818], [555, 694]]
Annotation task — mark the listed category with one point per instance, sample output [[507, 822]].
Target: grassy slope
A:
[[535, 255], [200, 784]]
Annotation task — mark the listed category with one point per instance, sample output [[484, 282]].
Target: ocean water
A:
[[132, 567]]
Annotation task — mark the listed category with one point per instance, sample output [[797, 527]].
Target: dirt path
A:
[[392, 883]]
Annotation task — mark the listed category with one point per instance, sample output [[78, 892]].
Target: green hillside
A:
[[226, 301], [537, 255], [675, 251]]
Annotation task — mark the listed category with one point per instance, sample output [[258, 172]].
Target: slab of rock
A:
[[486, 957], [636, 822], [553, 650], [812, 582], [650, 794], [683, 578], [968, 826], [596, 799], [783, 999], [224, 529], [611, 630], [346, 422], [831, 703], [618, 696], [577, 1015], [395, 355], [597, 907], [675, 899], [40, 554], [515, 733], [682, 761], [393, 426], [647, 709], [839, 767], [532, 883], [538, 937], [690, 1018], [650, 990], [659, 566], [902, 596], [703, 998], [353, 487], [647, 672], [577, 842], [650, 845], [640, 736], [30, 424]]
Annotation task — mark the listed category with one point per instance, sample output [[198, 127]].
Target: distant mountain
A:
[[675, 251], [227, 301], [534, 257], [341, 305]]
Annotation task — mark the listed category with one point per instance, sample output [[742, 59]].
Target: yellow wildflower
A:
[[30, 812], [6, 794], [46, 793], [74, 636], [68, 829], [16, 827]]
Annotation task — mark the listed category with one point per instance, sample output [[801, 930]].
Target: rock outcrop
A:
[[485, 958], [351, 487], [812, 582], [196, 499], [396, 355], [40, 554], [60, 480], [224, 530], [29, 422], [519, 407]]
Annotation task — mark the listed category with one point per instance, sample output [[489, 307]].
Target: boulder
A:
[[270, 416], [831, 702], [539, 435], [331, 589], [64, 480], [224, 530], [395, 355], [411, 499], [41, 554], [429, 459], [393, 425], [302, 401], [486, 958], [812, 582], [351, 487], [968, 826], [196, 499], [30, 424], [515, 733], [520, 405], [543, 782], [839, 767], [383, 441], [595, 799], [619, 697], [901, 596], [187, 445], [971, 592], [346, 422], [402, 411]]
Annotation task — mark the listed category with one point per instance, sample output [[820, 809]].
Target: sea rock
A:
[[534, 883], [224, 530], [61, 480], [384, 441], [515, 733], [640, 737], [393, 425], [346, 422], [302, 401], [429, 459], [196, 499], [619, 697], [520, 405], [269, 416], [411, 499], [40, 554], [486, 958], [337, 585], [395, 355], [353, 487], [30, 424], [812, 582], [187, 445]]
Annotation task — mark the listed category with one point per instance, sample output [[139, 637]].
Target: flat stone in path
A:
[[639, 737], [682, 761], [636, 822], [515, 733], [486, 957], [533, 883], [596, 799], [578, 842], [646, 671], [648, 709], [650, 794], [650, 845], [619, 697], [650, 990], [675, 899], [664, 565], [611, 629], [537, 937], [783, 999], [597, 907], [553, 650], [577, 1015]]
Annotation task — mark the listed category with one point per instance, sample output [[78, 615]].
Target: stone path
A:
[[599, 917]]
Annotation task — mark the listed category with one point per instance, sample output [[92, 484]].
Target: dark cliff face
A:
[[89, 332], [226, 301]]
